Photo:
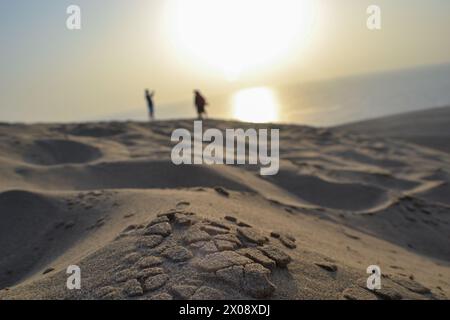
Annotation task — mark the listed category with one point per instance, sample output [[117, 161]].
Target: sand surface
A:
[[106, 197], [429, 128]]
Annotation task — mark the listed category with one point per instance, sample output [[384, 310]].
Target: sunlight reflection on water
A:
[[256, 105]]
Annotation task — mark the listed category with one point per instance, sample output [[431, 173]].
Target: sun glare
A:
[[255, 105], [236, 36]]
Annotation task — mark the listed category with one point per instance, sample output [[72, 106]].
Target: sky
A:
[[49, 73]]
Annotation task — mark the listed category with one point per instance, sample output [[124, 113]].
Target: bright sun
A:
[[236, 36]]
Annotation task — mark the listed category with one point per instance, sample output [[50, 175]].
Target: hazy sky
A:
[[48, 73]]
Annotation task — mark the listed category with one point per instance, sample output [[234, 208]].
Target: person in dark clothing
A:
[[151, 108], [200, 103]]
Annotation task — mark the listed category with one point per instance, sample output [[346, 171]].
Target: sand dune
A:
[[126, 175], [427, 128], [106, 197], [53, 152], [328, 194]]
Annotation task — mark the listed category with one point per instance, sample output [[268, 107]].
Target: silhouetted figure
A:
[[151, 108], [200, 103]]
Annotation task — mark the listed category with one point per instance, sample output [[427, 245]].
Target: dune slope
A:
[[428, 128]]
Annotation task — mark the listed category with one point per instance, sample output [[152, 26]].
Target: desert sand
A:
[[429, 128], [106, 197]]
